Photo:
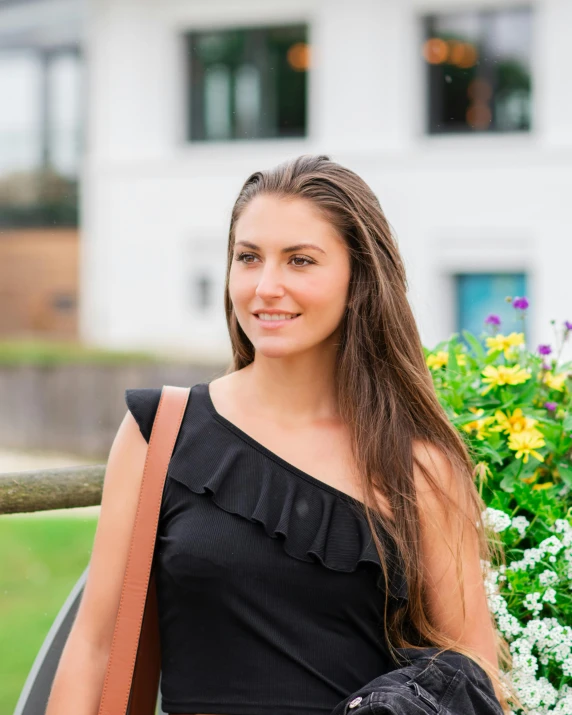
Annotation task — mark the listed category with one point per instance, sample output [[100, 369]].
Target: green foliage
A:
[[513, 409], [47, 353]]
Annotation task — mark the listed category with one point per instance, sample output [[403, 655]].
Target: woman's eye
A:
[[242, 256], [307, 261], [301, 261]]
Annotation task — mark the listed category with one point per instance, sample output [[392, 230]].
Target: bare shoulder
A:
[[435, 461], [443, 488]]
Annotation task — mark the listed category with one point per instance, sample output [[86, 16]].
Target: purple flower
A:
[[546, 366], [492, 319], [567, 325], [551, 406], [520, 303], [544, 349]]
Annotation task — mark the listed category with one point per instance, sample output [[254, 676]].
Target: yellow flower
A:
[[503, 375], [546, 485], [437, 361], [525, 443], [517, 422], [504, 343], [478, 426], [555, 382]]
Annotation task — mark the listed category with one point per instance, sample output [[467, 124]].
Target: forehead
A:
[[269, 220]]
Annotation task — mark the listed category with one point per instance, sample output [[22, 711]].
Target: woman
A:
[[319, 516]]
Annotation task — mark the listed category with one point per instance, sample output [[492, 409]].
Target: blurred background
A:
[[126, 131]]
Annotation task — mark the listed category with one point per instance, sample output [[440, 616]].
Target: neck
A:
[[300, 389]]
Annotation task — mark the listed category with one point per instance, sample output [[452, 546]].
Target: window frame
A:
[[460, 130], [46, 213], [192, 110]]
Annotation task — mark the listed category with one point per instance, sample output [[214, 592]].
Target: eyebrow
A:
[[290, 249]]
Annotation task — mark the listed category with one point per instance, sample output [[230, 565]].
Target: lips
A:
[[275, 320], [262, 315]]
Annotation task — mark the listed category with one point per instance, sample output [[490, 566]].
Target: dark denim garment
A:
[[450, 685]]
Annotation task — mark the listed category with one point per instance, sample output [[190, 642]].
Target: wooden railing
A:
[[46, 489]]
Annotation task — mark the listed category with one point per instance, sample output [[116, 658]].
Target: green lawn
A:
[[41, 557], [46, 353]]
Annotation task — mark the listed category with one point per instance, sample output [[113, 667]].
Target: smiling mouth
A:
[[276, 317]]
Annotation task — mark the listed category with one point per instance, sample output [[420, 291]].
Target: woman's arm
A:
[[440, 538], [79, 678]]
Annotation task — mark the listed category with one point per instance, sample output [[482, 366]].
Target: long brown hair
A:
[[384, 388]]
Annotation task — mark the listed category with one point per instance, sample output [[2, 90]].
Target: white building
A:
[[458, 113]]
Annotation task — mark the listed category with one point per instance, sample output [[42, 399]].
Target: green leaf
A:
[[452, 364], [486, 451], [475, 344], [512, 467], [509, 399], [550, 445], [508, 482], [501, 500], [528, 390], [565, 471], [567, 424], [527, 470], [541, 417]]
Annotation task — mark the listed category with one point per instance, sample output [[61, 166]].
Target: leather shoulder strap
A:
[[121, 663]]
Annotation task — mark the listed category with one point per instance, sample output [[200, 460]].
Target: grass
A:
[[41, 558], [44, 352]]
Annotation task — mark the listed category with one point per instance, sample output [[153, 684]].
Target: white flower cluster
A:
[[548, 577], [521, 524], [531, 557], [561, 526], [507, 623], [495, 519], [499, 521], [553, 643], [532, 602], [549, 639]]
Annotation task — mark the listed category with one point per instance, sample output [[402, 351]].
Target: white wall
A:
[[156, 207]]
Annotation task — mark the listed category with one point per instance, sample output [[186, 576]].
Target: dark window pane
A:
[[64, 302], [248, 83], [40, 137], [203, 290], [478, 70], [480, 294]]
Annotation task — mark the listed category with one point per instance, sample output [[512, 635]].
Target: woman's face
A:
[[275, 272]]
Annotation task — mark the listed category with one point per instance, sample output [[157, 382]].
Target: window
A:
[[39, 136], [203, 292], [478, 71], [481, 294], [247, 83]]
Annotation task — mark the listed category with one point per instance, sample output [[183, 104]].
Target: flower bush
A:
[[513, 407]]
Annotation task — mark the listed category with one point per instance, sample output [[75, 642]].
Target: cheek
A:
[[325, 298], [329, 288], [239, 290]]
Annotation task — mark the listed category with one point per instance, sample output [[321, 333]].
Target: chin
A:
[[266, 348]]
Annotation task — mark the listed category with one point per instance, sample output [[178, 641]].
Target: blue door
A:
[[480, 294]]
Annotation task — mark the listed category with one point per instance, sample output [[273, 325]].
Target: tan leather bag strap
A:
[[127, 647]]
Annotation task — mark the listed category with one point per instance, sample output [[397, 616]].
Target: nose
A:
[[270, 283]]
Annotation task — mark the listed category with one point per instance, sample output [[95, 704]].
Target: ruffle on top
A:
[[316, 522]]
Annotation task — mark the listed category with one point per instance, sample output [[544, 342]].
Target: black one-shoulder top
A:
[[269, 586]]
